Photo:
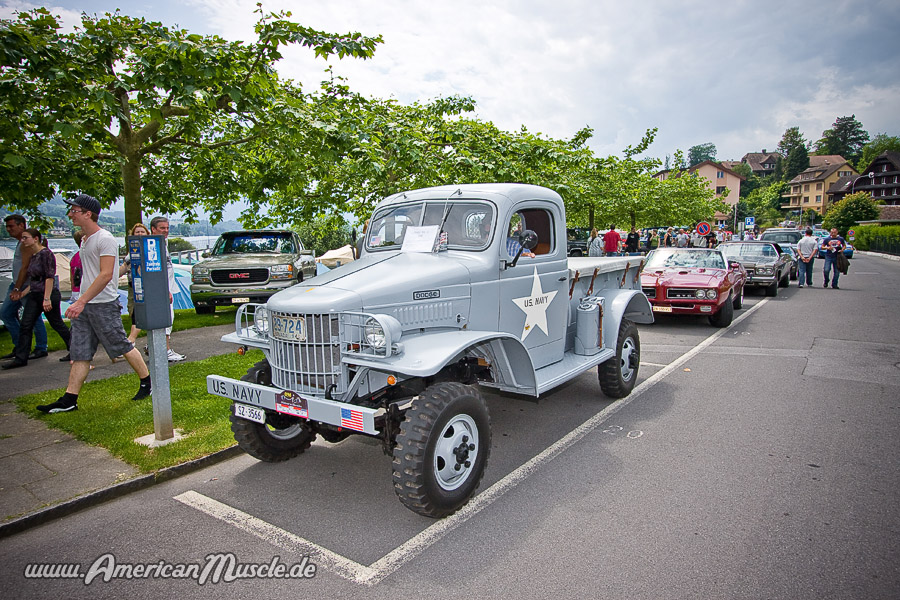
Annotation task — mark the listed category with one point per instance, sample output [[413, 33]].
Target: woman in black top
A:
[[41, 295]]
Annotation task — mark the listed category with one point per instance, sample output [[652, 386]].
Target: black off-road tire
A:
[[204, 310], [738, 301], [280, 438], [618, 375], [725, 316], [446, 426]]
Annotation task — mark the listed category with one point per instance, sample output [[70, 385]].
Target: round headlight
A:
[[261, 320], [374, 333], [711, 294], [700, 294]]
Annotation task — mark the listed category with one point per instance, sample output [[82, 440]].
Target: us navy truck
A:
[[458, 288]]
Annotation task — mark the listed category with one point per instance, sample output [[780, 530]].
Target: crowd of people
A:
[[95, 309]]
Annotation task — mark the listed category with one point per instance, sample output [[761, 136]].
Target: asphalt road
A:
[[758, 461]]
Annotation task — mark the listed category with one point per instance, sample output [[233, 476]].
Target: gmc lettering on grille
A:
[[239, 276]]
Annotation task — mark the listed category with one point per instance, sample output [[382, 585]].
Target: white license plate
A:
[[251, 413], [289, 328], [240, 300], [666, 309]]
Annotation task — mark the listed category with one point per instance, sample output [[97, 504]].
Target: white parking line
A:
[[393, 560]]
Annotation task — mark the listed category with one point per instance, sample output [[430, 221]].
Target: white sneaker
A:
[[174, 356]]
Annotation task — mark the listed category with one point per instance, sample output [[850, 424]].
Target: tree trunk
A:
[[590, 217], [131, 181]]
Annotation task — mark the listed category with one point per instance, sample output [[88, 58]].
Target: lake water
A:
[[200, 242]]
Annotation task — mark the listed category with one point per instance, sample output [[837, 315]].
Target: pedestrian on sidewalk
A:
[[160, 226], [96, 315], [9, 311], [595, 243], [632, 240], [807, 248], [40, 296], [832, 245]]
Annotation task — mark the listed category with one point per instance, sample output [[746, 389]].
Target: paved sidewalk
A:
[[41, 467]]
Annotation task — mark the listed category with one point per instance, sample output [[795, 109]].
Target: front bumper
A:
[[208, 295], [286, 402], [685, 307]]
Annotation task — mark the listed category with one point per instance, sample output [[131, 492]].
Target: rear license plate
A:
[[240, 300], [289, 328], [666, 309], [251, 413]]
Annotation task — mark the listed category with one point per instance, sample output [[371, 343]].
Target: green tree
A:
[[701, 152], [796, 162], [791, 139], [764, 204], [324, 233], [168, 119], [880, 143], [850, 211], [846, 138]]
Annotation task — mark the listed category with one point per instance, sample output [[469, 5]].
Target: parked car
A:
[[795, 260], [694, 281], [577, 241], [249, 266], [767, 265]]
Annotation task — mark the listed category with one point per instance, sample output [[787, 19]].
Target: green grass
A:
[[107, 416], [184, 319]]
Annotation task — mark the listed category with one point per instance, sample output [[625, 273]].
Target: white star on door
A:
[[535, 307]]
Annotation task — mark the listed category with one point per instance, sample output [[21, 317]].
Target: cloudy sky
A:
[[736, 74]]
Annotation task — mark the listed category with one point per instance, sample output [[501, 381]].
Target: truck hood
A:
[[377, 278], [247, 261], [683, 277]]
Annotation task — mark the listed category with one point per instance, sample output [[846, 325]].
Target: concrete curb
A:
[[114, 491], [879, 255]]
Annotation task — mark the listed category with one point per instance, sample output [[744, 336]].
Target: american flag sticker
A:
[[351, 419]]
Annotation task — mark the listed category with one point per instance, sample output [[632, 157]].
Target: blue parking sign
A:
[[749, 221]]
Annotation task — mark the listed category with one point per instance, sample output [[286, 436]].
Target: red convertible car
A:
[[694, 281]]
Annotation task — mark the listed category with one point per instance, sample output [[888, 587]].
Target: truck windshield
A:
[[254, 243], [468, 224]]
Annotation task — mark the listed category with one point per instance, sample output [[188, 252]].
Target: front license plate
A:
[[240, 300], [667, 309], [289, 328], [251, 413]]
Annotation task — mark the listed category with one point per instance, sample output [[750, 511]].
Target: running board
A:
[[571, 365]]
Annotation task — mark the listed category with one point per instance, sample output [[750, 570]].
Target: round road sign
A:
[[703, 228]]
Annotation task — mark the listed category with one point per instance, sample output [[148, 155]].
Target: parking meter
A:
[[149, 273], [152, 313]]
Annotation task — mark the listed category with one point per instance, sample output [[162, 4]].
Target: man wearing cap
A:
[[96, 315]]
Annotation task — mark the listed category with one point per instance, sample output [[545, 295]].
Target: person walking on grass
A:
[[160, 226], [9, 311], [40, 296], [96, 314]]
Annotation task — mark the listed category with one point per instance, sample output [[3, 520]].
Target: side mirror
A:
[[734, 265], [306, 252], [205, 254], [529, 239]]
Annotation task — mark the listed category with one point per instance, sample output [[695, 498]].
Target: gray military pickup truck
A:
[[249, 266], [459, 288]]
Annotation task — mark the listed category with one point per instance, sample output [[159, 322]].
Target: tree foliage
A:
[[701, 152], [791, 139], [796, 162], [850, 211], [128, 107], [880, 143], [846, 138]]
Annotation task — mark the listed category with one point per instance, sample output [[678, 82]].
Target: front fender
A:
[[623, 304], [426, 354]]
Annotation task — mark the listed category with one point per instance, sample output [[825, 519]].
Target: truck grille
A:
[[239, 276], [314, 365]]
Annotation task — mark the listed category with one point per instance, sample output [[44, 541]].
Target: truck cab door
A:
[[534, 292]]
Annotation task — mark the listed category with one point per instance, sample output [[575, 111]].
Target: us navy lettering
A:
[[245, 394]]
